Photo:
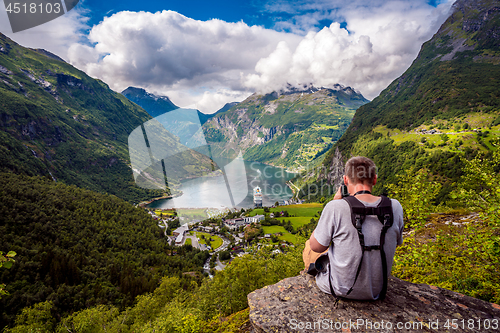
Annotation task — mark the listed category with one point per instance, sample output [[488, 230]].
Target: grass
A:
[[323, 127], [188, 241], [164, 213], [192, 212], [217, 241], [289, 238], [257, 211], [468, 137], [285, 235], [301, 210], [302, 216], [297, 222], [309, 209], [274, 229]]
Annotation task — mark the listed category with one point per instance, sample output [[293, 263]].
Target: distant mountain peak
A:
[[140, 92], [310, 89], [155, 105]]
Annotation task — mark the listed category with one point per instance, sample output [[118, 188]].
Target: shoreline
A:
[[286, 169], [217, 173], [146, 203]]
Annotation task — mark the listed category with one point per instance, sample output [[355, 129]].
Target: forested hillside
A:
[[445, 107], [57, 122], [78, 248]]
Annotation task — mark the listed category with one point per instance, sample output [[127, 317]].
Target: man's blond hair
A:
[[360, 169]]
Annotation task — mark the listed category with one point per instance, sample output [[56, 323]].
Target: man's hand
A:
[[338, 195]]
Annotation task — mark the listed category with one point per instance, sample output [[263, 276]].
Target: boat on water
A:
[[257, 197]]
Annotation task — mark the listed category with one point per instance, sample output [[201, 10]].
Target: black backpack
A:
[[358, 214]]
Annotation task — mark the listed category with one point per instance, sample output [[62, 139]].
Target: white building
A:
[[180, 233], [179, 239], [207, 229], [256, 218], [181, 230], [235, 223]]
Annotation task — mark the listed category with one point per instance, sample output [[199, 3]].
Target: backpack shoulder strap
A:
[[386, 217], [358, 212]]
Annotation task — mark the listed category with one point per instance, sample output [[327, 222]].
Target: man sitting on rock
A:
[[345, 246]]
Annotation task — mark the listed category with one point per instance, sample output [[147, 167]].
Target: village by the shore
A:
[[226, 233]]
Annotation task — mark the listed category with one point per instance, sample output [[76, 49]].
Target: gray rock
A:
[[334, 175], [5, 70], [297, 305]]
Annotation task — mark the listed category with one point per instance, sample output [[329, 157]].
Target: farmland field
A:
[[309, 209], [297, 222]]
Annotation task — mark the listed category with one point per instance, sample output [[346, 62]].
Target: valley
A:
[[85, 256]]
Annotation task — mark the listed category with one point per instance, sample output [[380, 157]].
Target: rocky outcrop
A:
[[251, 133], [297, 305], [5, 49], [67, 81], [4, 70], [336, 169]]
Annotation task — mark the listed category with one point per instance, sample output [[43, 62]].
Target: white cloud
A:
[[166, 51], [220, 98], [55, 36], [379, 44], [208, 63]]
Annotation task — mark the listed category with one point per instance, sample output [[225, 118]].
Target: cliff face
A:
[[297, 305], [254, 133], [336, 170]]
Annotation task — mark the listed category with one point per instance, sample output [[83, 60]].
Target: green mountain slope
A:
[[78, 248], [58, 122], [290, 129], [446, 105]]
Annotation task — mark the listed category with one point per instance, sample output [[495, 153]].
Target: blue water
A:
[[206, 192]]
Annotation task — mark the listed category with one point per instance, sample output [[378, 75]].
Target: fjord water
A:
[[202, 192]]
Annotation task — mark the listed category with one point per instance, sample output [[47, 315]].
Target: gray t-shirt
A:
[[335, 229]]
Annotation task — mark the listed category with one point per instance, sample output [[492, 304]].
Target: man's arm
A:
[[315, 245], [313, 242]]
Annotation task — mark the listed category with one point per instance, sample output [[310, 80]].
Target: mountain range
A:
[[290, 128], [83, 257], [57, 122]]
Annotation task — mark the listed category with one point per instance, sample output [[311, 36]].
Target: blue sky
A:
[[226, 10], [252, 12], [204, 54]]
